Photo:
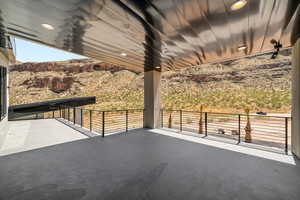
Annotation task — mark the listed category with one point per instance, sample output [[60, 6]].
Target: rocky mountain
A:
[[258, 82], [68, 67], [59, 84]]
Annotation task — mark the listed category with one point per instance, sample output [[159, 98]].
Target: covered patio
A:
[[146, 164], [49, 160]]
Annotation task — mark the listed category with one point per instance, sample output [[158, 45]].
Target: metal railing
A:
[[103, 122], [271, 131], [39, 115]]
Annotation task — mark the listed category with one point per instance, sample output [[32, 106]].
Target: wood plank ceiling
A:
[[154, 34]]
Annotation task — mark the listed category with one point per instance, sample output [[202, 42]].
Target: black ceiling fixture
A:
[[277, 46]]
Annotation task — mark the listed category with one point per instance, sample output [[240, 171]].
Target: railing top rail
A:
[[220, 113], [123, 110], [113, 110]]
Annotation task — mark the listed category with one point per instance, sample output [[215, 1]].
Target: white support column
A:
[[296, 99], [152, 92]]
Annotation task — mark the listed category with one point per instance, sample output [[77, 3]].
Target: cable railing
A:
[[104, 122], [263, 130], [271, 131]]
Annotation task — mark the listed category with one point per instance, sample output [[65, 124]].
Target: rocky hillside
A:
[[59, 77], [258, 82]]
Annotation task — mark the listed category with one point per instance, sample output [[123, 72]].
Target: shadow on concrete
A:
[[144, 165]]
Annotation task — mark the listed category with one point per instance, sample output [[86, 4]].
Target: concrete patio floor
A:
[[145, 164], [26, 135]]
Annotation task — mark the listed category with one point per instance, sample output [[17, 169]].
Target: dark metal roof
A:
[[167, 33]]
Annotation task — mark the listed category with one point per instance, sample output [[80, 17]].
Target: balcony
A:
[[60, 159]]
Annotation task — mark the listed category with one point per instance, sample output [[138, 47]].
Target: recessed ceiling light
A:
[[157, 67], [48, 26], [241, 48], [238, 4], [123, 54]]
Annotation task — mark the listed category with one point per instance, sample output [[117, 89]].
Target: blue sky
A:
[[32, 52]]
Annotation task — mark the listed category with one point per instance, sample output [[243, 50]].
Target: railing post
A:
[[239, 128], [286, 135], [205, 121], [162, 118], [81, 117], [74, 115], [103, 123], [180, 113], [60, 112], [126, 120], [91, 120], [143, 118], [68, 114], [53, 114]]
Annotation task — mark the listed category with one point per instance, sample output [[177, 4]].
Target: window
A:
[[3, 92]]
